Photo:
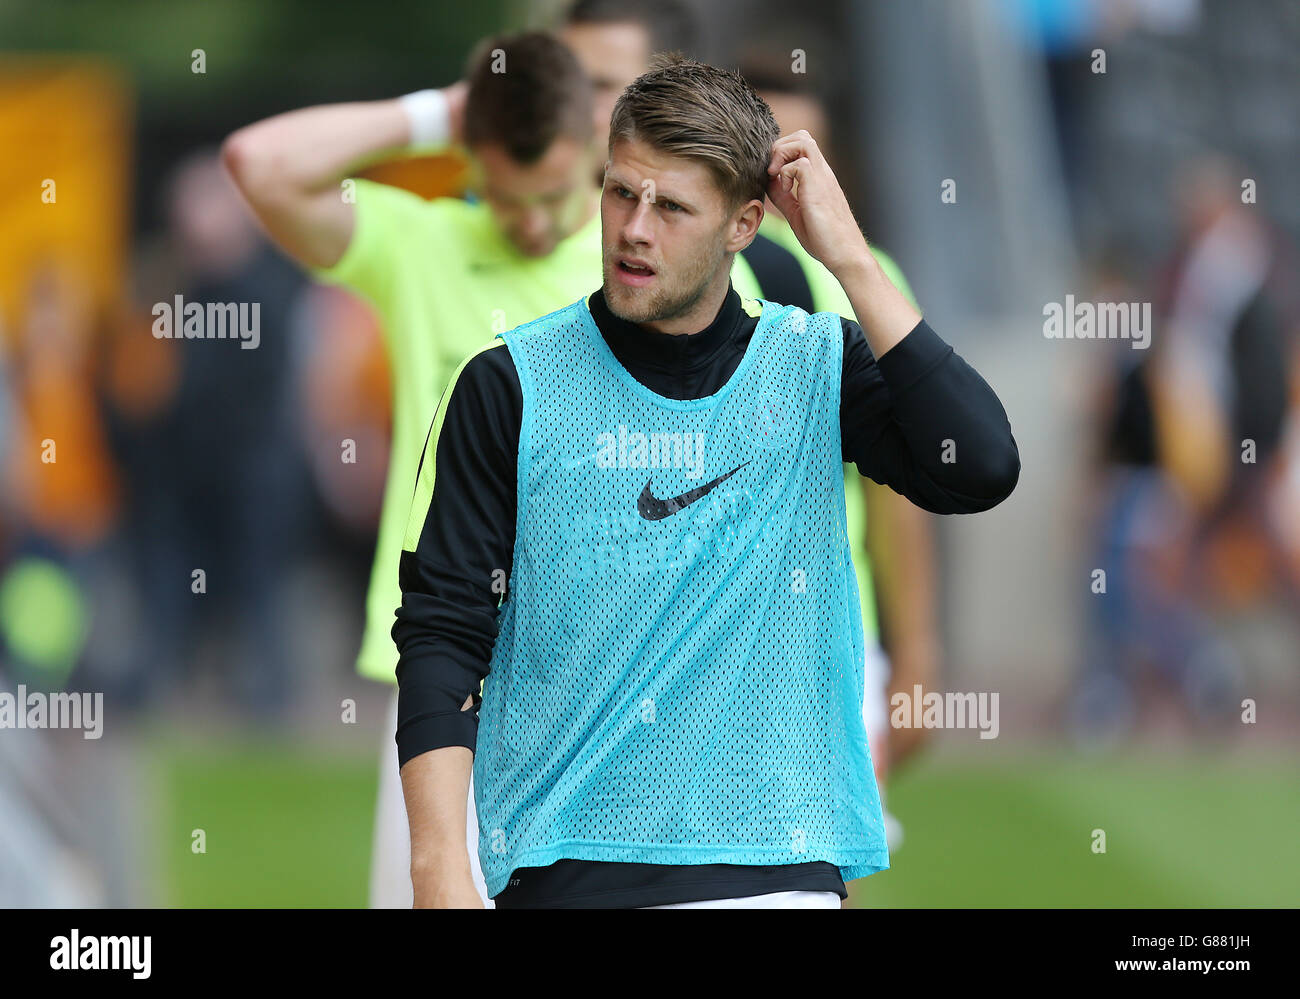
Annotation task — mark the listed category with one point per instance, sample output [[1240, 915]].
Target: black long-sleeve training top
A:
[[896, 414]]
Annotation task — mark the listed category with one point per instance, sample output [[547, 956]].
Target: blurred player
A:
[[614, 40], [444, 275]]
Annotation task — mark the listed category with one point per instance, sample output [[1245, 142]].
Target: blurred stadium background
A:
[[225, 710]]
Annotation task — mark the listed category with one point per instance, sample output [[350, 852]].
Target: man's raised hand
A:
[[802, 185]]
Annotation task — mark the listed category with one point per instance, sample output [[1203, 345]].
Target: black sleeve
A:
[[453, 583], [898, 412]]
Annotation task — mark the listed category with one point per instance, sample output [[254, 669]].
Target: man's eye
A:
[[673, 206], [623, 192]]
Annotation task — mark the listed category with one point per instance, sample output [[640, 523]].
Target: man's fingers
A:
[[801, 137], [783, 152], [777, 192], [794, 173], [791, 147]]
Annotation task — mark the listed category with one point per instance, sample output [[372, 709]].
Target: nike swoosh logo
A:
[[657, 509]]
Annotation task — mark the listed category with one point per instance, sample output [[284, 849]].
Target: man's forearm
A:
[[883, 312], [436, 787], [290, 168], [317, 147]]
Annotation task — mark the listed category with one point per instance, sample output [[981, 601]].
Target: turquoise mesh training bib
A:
[[678, 673]]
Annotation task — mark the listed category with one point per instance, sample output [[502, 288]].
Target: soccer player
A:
[[629, 527]]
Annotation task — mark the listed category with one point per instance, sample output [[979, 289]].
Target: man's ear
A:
[[744, 226], [599, 167]]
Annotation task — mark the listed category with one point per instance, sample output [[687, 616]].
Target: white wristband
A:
[[430, 118]]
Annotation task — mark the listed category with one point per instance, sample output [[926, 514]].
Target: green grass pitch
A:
[[288, 827]]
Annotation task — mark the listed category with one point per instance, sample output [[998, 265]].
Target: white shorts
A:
[[776, 900], [875, 692], [390, 860]]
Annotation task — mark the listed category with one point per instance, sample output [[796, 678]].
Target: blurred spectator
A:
[[8, 436], [62, 476], [348, 401], [60, 491], [215, 474], [1073, 39], [1192, 454]]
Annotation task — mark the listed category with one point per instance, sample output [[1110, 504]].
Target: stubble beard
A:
[[662, 304]]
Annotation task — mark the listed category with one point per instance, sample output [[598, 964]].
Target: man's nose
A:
[[638, 229], [535, 222]]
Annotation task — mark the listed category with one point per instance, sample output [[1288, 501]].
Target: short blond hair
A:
[[688, 108]]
